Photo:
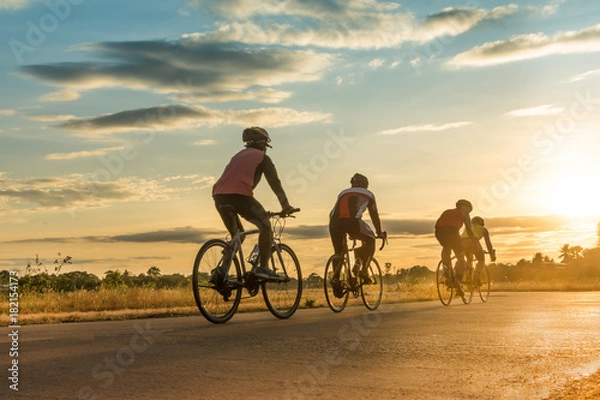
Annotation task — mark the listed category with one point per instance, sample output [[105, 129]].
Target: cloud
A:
[[584, 75], [83, 153], [188, 69], [6, 112], [455, 21], [530, 46], [13, 5], [546, 109], [61, 95], [204, 142], [336, 24], [424, 128], [376, 63], [163, 118], [80, 191], [177, 235], [50, 118]]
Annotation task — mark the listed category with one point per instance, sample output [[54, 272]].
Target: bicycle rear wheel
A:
[[218, 302], [372, 293], [486, 286], [443, 279], [337, 304], [283, 297]]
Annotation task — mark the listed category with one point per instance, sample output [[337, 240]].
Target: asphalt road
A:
[[517, 346]]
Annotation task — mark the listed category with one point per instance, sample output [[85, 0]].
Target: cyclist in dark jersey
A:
[[447, 232], [234, 192], [346, 218]]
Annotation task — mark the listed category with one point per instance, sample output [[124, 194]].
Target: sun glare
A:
[[573, 194]]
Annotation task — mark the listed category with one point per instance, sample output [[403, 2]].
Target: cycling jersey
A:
[[244, 172], [478, 232], [352, 203], [451, 218]]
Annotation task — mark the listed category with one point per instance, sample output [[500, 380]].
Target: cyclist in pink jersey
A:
[[234, 191], [447, 232], [346, 218]]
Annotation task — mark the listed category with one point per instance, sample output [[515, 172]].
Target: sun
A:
[[573, 193]]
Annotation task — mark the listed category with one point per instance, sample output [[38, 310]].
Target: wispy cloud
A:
[[455, 21], [7, 112], [337, 24], [83, 153], [424, 128], [62, 95], [80, 191], [189, 69], [204, 142], [546, 109], [583, 75], [163, 118], [12, 5], [525, 47]]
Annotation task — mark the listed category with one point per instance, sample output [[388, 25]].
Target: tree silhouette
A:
[[569, 253]]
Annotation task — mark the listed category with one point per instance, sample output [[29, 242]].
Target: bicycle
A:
[[337, 293], [445, 278], [219, 275]]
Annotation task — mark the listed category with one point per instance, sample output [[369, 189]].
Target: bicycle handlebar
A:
[[283, 214], [384, 240]]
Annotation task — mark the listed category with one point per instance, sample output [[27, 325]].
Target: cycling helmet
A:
[[478, 221], [359, 180], [466, 203], [256, 134]]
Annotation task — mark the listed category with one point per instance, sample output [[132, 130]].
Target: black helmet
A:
[[359, 180], [478, 221], [466, 203], [255, 134]]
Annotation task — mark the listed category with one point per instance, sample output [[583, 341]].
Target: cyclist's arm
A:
[[467, 222], [374, 215], [268, 169], [488, 244]]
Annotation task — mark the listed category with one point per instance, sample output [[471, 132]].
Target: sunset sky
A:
[[117, 117]]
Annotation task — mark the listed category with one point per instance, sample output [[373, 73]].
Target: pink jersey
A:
[[238, 177]]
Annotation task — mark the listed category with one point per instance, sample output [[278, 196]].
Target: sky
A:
[[117, 117]]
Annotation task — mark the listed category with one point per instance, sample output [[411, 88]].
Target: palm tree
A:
[[565, 253]]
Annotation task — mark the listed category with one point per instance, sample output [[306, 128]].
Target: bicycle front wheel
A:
[[283, 297], [443, 279], [486, 286], [336, 303], [218, 302], [372, 292]]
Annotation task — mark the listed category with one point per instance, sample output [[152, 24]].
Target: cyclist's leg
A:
[[364, 233], [480, 257], [443, 236], [338, 241], [252, 211]]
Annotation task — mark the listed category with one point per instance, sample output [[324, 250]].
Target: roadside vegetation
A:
[[80, 296]]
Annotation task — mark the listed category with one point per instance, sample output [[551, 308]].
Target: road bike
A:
[[338, 290], [220, 275], [446, 287]]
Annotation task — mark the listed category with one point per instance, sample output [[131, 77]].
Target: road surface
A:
[[517, 346]]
